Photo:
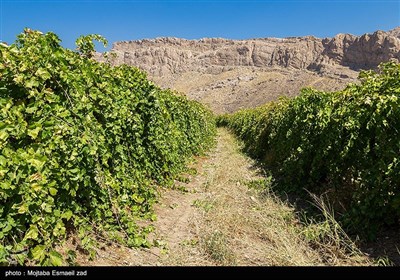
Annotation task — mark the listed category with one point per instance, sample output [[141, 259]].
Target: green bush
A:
[[346, 143], [83, 145]]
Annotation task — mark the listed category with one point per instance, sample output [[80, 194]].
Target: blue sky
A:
[[130, 19]]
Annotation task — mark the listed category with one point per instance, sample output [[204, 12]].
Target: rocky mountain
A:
[[395, 32], [232, 74]]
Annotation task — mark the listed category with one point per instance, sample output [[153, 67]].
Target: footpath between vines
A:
[[225, 216]]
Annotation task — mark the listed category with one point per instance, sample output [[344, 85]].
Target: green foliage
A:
[[83, 145], [346, 143], [85, 45]]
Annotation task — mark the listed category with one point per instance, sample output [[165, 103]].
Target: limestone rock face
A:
[[395, 32], [233, 74], [363, 52]]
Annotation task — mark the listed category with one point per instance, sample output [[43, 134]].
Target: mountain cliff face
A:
[[233, 74], [395, 32], [363, 52]]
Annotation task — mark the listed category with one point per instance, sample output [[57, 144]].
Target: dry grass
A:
[[245, 224], [247, 86], [228, 216]]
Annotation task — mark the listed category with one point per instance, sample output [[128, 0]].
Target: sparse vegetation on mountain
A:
[[229, 75]]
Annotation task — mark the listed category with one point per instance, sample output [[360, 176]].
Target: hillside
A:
[[233, 74]]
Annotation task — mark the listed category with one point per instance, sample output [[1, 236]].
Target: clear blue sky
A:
[[130, 19]]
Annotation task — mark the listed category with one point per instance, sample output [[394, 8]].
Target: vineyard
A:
[[343, 144], [83, 146]]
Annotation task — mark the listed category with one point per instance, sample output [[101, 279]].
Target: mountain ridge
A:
[[231, 74]]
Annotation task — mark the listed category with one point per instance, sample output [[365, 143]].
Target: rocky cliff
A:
[[233, 74]]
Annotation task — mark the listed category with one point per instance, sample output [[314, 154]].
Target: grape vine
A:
[[345, 144], [83, 146]]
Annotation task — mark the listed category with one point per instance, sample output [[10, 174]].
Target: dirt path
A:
[[227, 218]]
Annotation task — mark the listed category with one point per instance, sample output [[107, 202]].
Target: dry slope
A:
[[232, 74]]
